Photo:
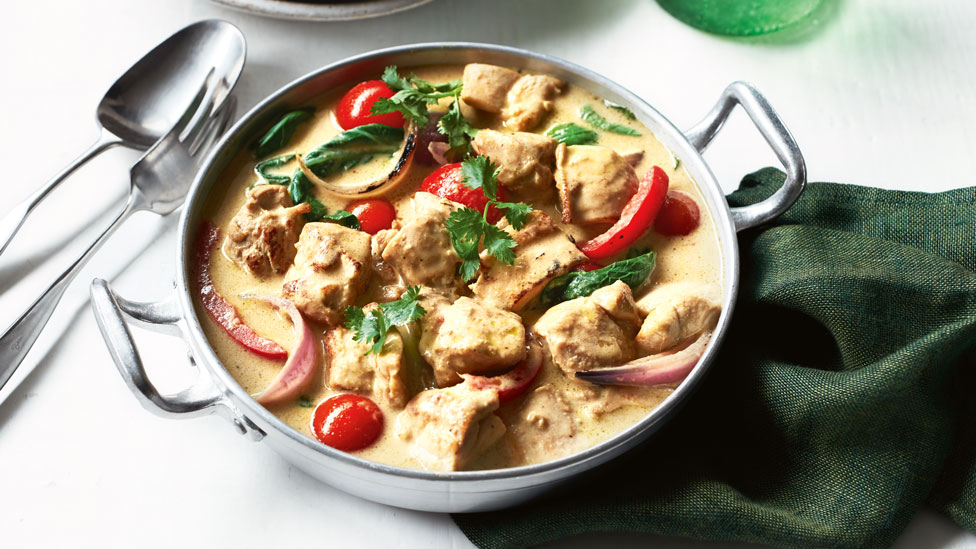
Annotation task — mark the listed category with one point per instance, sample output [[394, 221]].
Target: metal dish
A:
[[216, 392], [322, 11]]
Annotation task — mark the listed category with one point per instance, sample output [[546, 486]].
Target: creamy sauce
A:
[[692, 258]]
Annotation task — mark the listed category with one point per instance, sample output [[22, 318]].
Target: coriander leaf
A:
[[499, 244], [407, 105], [372, 326], [634, 272], [393, 79], [571, 134], [628, 114], [590, 116], [465, 227], [469, 267], [281, 133], [515, 212], [451, 87], [481, 173], [261, 169], [344, 218], [456, 127]]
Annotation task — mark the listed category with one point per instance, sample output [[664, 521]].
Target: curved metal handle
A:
[[201, 399], [771, 126]]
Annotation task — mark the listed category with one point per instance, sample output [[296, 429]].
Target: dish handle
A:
[[201, 399], [771, 126]]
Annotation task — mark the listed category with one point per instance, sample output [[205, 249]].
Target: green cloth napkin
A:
[[842, 399]]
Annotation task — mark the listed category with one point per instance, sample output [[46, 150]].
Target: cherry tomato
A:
[[678, 216], [353, 109], [374, 214], [516, 381], [223, 313], [635, 218], [446, 182], [347, 422]]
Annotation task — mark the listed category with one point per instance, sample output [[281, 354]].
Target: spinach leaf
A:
[[278, 179], [634, 272], [281, 133], [344, 218], [571, 134], [300, 189], [628, 114], [590, 116], [304, 402], [352, 148]]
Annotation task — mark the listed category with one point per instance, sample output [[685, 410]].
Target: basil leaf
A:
[[590, 116], [634, 272], [344, 218], [281, 133], [262, 169], [571, 134], [628, 114], [352, 148]]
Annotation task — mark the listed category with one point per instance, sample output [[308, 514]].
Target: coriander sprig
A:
[[372, 326], [468, 227]]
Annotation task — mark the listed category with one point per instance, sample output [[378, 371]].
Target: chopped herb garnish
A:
[[281, 133], [372, 326], [634, 271], [468, 227], [628, 114], [304, 402], [571, 134], [590, 116]]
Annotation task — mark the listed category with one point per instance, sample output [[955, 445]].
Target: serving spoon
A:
[[146, 101]]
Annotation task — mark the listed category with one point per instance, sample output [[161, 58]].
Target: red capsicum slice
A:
[[637, 216], [223, 313]]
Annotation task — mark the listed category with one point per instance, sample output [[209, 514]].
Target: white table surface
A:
[[877, 92]]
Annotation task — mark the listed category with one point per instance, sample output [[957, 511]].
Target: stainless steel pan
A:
[[216, 392]]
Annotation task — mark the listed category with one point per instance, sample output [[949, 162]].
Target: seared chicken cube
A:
[[529, 101], [448, 428], [542, 252], [525, 160], [486, 86], [379, 375], [421, 251], [470, 337], [675, 313], [543, 427], [261, 237], [583, 335], [331, 268], [594, 183]]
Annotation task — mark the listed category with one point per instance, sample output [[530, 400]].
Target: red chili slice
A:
[[636, 217], [223, 313]]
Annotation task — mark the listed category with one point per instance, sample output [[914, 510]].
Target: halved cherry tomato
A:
[[515, 382], [446, 182], [635, 218], [347, 422], [374, 214], [353, 109], [678, 216], [220, 310]]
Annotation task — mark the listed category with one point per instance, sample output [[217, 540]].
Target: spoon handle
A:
[[17, 340], [12, 222]]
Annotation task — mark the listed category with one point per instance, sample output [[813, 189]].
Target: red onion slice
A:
[[437, 151], [299, 369], [659, 369]]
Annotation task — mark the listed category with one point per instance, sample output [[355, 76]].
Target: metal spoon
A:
[[150, 98]]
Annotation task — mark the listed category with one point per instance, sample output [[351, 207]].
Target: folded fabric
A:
[[842, 399]]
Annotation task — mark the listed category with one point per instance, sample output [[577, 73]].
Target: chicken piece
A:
[[331, 268], [421, 251], [544, 426], [525, 160], [594, 183], [470, 337], [582, 335], [486, 86], [542, 252], [447, 428], [261, 237], [677, 312], [351, 369], [529, 101]]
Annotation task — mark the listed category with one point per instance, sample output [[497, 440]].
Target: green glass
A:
[[739, 17]]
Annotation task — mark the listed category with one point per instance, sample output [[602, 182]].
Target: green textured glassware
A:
[[739, 17]]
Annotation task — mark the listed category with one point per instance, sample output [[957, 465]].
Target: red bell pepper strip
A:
[[636, 217], [223, 313]]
